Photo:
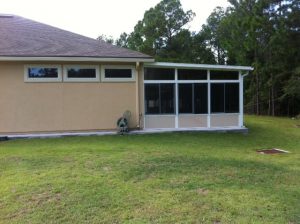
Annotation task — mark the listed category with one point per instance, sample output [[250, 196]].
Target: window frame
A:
[[67, 79], [133, 73], [56, 66]]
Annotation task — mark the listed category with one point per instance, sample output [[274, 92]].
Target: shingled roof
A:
[[21, 37]]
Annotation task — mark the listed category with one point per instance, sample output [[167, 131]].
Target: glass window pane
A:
[[38, 72], [217, 98], [232, 98], [192, 74], [200, 98], [81, 73], [152, 98], [159, 74], [118, 73], [224, 75], [167, 99], [185, 100]]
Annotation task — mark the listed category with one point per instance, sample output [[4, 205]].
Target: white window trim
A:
[[28, 79], [133, 73], [67, 79]]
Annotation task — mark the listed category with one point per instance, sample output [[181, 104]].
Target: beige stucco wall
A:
[[224, 120], [38, 107]]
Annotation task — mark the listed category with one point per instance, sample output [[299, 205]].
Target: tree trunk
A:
[[269, 106], [257, 94], [288, 108], [272, 94]]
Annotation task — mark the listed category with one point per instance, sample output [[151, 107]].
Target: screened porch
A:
[[193, 96]]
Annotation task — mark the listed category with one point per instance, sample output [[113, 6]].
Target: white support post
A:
[[176, 98], [241, 98], [208, 99]]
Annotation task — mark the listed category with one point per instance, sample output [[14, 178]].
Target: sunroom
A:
[[193, 96]]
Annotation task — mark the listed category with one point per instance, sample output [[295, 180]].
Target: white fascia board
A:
[[199, 66], [76, 59]]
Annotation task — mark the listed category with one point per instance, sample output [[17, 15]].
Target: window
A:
[[152, 98], [159, 74], [185, 98], [42, 73], [224, 97], [159, 98], [192, 74], [224, 75], [232, 101], [192, 98], [200, 98], [81, 73], [118, 73]]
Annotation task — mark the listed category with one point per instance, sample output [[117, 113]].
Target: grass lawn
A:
[[158, 178]]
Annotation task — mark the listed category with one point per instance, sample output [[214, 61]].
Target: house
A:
[[52, 80]]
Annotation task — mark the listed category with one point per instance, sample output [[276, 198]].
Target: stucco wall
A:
[[38, 107]]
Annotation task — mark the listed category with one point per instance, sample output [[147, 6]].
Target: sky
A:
[[93, 18]]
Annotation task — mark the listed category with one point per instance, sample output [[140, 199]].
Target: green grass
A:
[[158, 178]]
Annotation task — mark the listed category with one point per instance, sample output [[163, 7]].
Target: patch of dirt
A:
[[297, 125], [68, 159], [202, 191], [106, 168], [271, 151], [45, 197]]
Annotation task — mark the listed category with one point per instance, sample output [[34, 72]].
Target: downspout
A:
[[137, 95], [244, 75]]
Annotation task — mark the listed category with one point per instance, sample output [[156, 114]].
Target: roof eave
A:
[[76, 59], [199, 66]]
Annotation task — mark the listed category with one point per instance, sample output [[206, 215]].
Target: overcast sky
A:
[[95, 17]]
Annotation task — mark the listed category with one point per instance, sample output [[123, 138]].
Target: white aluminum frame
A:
[[198, 66], [78, 66], [28, 79], [176, 66], [133, 73]]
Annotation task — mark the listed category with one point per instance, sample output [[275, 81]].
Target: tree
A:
[[156, 32], [123, 40], [107, 39], [212, 34], [201, 51], [264, 33]]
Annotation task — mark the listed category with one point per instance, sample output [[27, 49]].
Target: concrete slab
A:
[[4, 137]]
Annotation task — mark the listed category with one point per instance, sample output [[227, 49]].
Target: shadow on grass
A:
[[30, 163], [211, 171], [275, 183]]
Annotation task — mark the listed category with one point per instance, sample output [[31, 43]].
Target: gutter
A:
[[246, 74], [76, 59], [198, 66]]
